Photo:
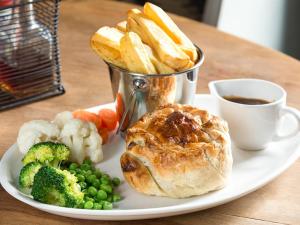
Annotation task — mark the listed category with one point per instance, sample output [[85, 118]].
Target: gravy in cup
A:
[[247, 101], [253, 109]]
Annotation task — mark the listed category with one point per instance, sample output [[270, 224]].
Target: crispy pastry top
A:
[[179, 136]]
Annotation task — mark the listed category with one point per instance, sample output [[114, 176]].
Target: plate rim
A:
[[123, 214]]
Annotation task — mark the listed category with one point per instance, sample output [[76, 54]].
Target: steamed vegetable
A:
[[27, 174], [109, 119], [99, 188], [47, 153], [88, 117], [67, 184], [56, 187], [34, 132], [83, 139]]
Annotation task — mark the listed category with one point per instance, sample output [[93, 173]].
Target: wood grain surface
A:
[[86, 80]]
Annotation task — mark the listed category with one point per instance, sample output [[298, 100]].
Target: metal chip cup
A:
[[136, 94]]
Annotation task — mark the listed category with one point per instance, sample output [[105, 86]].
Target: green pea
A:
[[87, 198], [97, 205], [106, 176], [72, 171], [80, 177], [91, 178], [83, 185], [116, 181], [73, 166], [80, 205], [96, 183], [101, 195], [109, 198], [92, 191], [98, 173], [104, 180], [116, 197], [87, 161], [107, 205], [85, 167], [84, 191], [88, 172], [78, 171], [89, 205], [106, 187]]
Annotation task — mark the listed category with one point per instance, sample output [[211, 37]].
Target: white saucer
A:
[[251, 170]]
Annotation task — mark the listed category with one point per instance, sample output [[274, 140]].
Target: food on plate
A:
[[135, 55], [88, 117], [56, 187], [48, 153], [36, 131], [161, 18], [106, 42], [41, 154], [159, 66], [109, 119], [122, 26], [109, 36], [177, 151], [170, 49], [78, 132], [166, 49], [51, 178], [82, 138], [120, 108], [27, 174], [98, 187]]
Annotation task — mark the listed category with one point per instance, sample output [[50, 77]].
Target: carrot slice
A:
[[104, 133], [109, 119], [119, 106], [89, 117]]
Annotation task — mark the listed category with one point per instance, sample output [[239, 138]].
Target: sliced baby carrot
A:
[[89, 117], [109, 119], [104, 133], [119, 106]]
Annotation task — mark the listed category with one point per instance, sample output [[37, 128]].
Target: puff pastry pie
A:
[[177, 151]]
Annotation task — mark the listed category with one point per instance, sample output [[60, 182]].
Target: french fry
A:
[[122, 26], [135, 55], [159, 66], [108, 36], [161, 18], [134, 27], [108, 54], [106, 43], [166, 49]]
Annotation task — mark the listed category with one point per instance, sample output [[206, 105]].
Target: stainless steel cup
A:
[[135, 94]]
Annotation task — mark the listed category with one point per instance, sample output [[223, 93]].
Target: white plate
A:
[[251, 170]]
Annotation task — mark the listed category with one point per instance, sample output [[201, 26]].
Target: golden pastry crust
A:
[[178, 151]]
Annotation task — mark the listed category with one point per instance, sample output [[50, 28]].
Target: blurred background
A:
[[271, 23]]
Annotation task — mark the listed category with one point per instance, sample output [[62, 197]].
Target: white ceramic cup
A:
[[253, 127]]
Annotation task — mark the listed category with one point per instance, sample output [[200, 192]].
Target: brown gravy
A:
[[246, 101]]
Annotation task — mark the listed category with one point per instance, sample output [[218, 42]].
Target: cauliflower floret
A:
[[83, 139], [34, 132], [80, 136], [62, 118], [93, 146]]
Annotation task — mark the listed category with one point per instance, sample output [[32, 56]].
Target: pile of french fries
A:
[[148, 42]]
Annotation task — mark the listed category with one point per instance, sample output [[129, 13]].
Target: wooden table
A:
[[86, 80]]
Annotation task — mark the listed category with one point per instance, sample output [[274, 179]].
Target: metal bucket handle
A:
[[139, 84]]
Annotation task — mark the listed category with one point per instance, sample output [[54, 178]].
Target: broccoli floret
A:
[[57, 187], [27, 174], [47, 153]]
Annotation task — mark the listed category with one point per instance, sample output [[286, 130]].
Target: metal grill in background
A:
[[29, 54]]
